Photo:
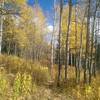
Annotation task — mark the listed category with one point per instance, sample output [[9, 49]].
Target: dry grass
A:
[[32, 78]]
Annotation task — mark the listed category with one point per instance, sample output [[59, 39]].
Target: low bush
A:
[[14, 64]]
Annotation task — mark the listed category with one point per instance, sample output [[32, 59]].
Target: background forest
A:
[[41, 61]]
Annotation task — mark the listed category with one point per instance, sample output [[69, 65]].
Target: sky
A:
[[47, 6]]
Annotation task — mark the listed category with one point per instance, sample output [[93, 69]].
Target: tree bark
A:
[[76, 60], [87, 43], [92, 42], [59, 48], [67, 38], [1, 26]]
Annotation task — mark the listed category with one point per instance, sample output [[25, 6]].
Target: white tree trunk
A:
[[1, 27]]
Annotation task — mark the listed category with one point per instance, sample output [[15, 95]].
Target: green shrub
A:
[[26, 84], [4, 84], [17, 85], [23, 85]]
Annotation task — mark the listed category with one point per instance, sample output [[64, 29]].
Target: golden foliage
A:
[[72, 30]]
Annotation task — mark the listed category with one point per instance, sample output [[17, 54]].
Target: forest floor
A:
[[23, 80], [68, 90]]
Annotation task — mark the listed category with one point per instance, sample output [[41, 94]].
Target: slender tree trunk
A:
[[15, 49], [9, 48], [52, 44], [95, 58], [87, 44], [80, 52], [92, 42], [67, 38], [59, 49], [76, 60], [1, 25], [52, 57], [71, 55]]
